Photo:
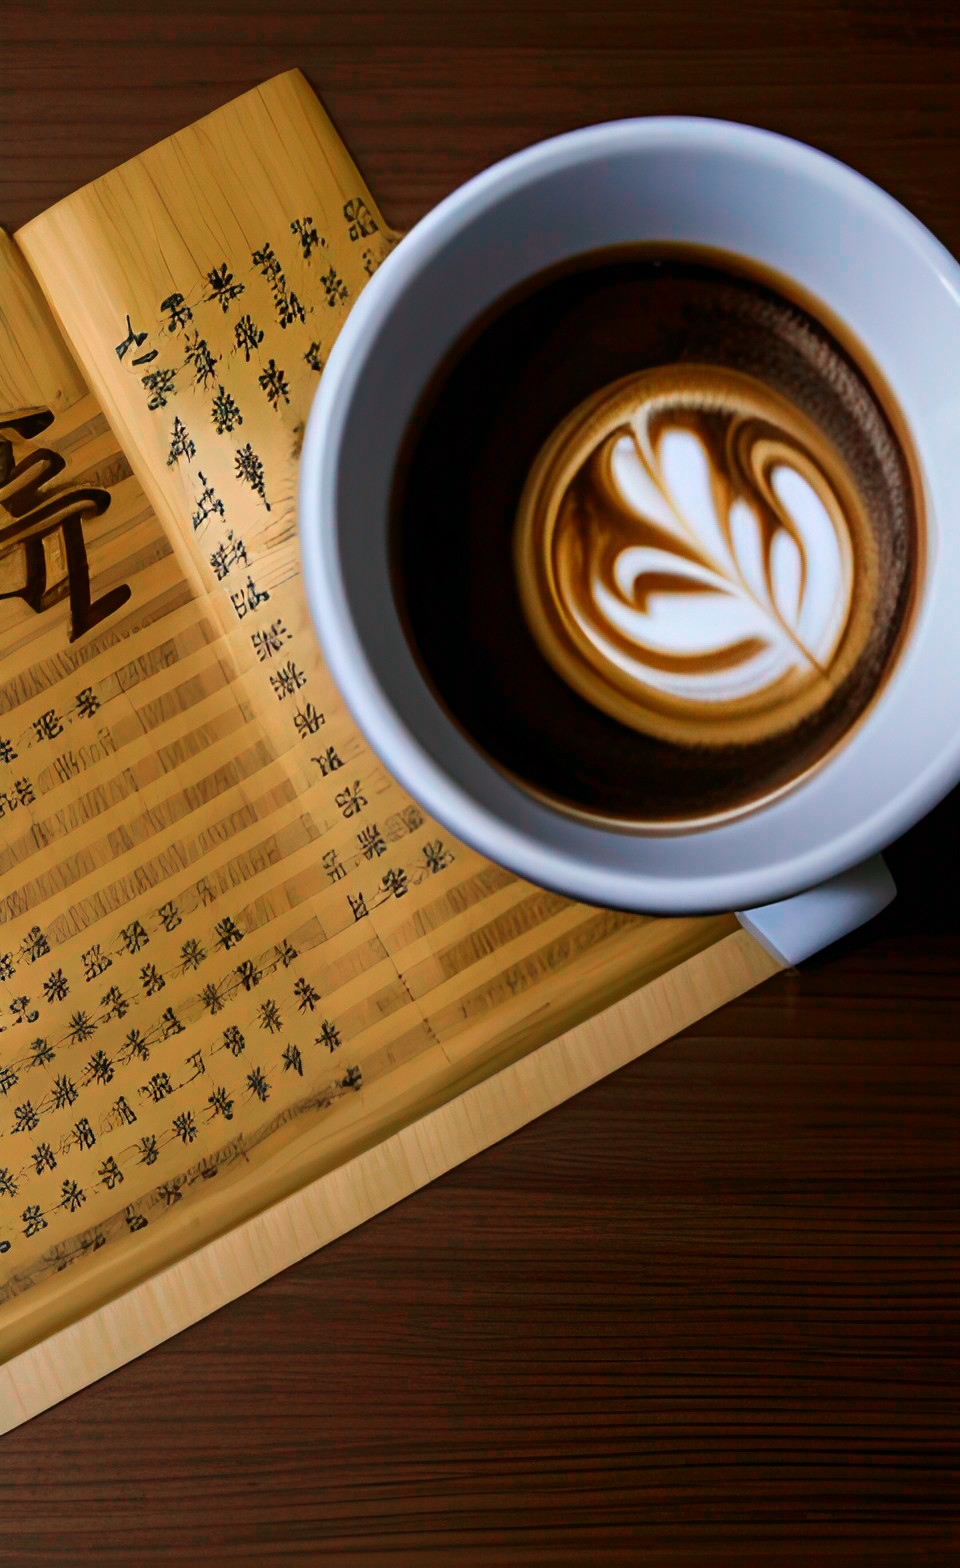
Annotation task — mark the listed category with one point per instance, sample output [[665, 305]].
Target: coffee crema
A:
[[688, 549], [655, 530]]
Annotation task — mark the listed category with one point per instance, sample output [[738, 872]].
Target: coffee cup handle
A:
[[796, 928]]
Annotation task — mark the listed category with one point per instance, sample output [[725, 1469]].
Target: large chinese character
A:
[[233, 1040], [38, 509]]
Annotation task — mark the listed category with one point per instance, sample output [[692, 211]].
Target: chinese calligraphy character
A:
[[170, 1023], [258, 1083], [185, 1126], [335, 289], [228, 933], [201, 361], [8, 1079], [228, 554], [372, 842], [65, 1092], [99, 1068], [161, 384], [286, 953], [7, 966], [124, 1112], [329, 762], [225, 412], [25, 793], [313, 357], [351, 801], [309, 238], [35, 1221], [247, 336], [307, 720], [352, 1078], [134, 937], [287, 680], [115, 1002], [249, 974], [40, 1053], [269, 1015], [329, 1036], [436, 857], [110, 1173], [358, 906], [158, 1087], [180, 443], [135, 1221], [149, 1153], [192, 953], [208, 504], [269, 642], [248, 598], [56, 988], [212, 997], [222, 1104], [292, 1060], [8, 1187], [360, 220], [395, 882], [44, 1159], [94, 962], [135, 340], [84, 1134], [22, 1014], [72, 1197], [195, 1060], [134, 1045], [178, 312], [48, 726], [222, 288], [233, 1040], [8, 752], [82, 1028], [87, 703], [169, 916], [306, 996], [248, 468], [331, 865], [151, 979], [274, 383]]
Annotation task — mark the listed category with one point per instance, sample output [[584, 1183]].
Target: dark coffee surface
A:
[[474, 438]]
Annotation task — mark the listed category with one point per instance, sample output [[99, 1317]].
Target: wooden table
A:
[[708, 1311]]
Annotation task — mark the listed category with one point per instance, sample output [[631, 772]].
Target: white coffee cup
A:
[[733, 188]]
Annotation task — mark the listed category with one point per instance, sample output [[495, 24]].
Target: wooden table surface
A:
[[706, 1313]]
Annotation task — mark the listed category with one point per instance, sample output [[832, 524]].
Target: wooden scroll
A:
[[239, 967]]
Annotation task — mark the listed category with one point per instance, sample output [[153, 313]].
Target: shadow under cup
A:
[[511, 383]]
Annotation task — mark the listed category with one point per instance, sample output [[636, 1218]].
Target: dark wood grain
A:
[[707, 1313]]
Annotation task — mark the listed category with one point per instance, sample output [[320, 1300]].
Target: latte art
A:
[[694, 559], [677, 601]]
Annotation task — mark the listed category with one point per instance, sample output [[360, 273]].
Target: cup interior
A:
[[847, 245]]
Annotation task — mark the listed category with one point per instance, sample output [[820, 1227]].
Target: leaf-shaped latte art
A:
[[687, 556]]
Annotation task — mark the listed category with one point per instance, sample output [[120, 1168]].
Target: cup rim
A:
[[401, 750]]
